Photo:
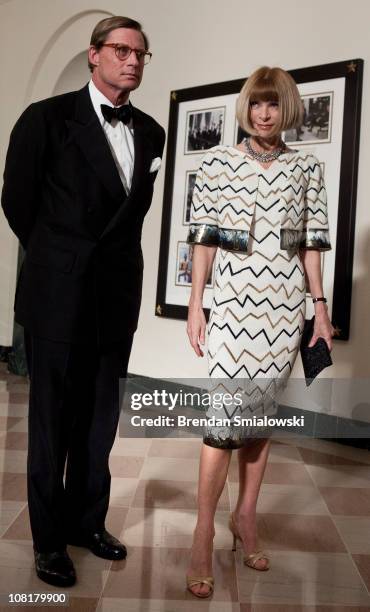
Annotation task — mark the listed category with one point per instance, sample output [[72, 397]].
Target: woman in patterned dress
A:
[[262, 207]]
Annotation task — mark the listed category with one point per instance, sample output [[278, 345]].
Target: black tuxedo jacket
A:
[[81, 277]]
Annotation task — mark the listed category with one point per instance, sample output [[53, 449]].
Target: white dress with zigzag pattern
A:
[[258, 308]]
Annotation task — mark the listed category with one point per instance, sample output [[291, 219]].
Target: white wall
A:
[[193, 43]]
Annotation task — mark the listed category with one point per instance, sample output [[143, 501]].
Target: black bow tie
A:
[[122, 113]]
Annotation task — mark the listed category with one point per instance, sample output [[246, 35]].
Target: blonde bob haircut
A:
[[270, 85]]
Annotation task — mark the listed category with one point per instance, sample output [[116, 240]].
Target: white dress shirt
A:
[[120, 137]]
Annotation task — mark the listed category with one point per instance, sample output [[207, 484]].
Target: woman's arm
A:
[[203, 257], [311, 260]]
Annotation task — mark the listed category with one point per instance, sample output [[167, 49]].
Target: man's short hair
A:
[[106, 26]]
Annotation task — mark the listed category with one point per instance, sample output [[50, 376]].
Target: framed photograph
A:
[[317, 118], [204, 116], [189, 187], [204, 129], [184, 261]]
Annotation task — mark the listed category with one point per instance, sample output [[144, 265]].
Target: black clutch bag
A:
[[317, 357]]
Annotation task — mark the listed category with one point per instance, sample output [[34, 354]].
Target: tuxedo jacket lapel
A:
[[89, 135], [143, 149]]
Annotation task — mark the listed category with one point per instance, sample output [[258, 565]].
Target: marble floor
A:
[[313, 519]]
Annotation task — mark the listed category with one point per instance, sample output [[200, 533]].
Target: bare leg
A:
[[213, 468], [252, 463]]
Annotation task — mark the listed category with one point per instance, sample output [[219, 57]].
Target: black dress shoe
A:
[[55, 568], [102, 544]]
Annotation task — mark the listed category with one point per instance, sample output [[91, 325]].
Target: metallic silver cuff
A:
[[289, 238], [233, 240], [315, 239], [203, 234]]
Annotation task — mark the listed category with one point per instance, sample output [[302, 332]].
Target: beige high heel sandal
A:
[[249, 560], [193, 580]]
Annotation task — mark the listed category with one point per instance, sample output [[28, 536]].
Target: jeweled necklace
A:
[[263, 157]]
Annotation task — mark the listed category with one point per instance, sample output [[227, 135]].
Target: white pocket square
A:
[[155, 165]]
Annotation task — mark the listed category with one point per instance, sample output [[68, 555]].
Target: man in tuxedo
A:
[[78, 182]]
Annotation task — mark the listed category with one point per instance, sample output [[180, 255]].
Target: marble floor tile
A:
[[348, 501], [122, 491], [186, 449], [279, 473], [303, 578], [22, 425], [20, 387], [314, 457], [284, 453], [115, 520], [13, 487], [340, 475], [299, 533], [13, 461], [8, 422], [82, 604], [13, 397], [172, 494], [159, 574], [17, 440], [285, 499], [363, 566], [299, 608], [166, 468], [279, 453], [125, 467], [137, 447], [9, 510], [355, 532], [14, 410], [158, 527], [110, 604], [20, 528], [15, 555], [332, 448]]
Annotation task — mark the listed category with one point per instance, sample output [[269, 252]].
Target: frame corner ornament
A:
[[352, 66]]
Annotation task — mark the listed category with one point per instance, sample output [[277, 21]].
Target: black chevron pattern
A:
[[228, 268], [272, 370], [266, 301], [271, 341]]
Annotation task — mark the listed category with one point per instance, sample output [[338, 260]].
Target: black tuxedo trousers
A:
[[73, 417]]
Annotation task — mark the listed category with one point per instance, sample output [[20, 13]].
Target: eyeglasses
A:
[[123, 52]]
